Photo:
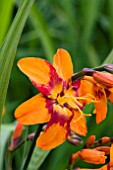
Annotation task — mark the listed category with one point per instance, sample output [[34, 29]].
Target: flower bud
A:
[[92, 156], [104, 79]]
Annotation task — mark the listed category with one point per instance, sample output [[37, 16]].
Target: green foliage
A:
[[9, 47], [37, 158], [84, 28]]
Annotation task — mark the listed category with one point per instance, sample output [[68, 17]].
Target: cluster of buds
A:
[[95, 152]]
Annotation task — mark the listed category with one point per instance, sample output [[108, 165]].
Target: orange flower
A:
[[100, 86], [58, 101]]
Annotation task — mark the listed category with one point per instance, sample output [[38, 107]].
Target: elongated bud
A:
[[105, 79], [105, 149], [92, 156], [73, 158], [16, 136]]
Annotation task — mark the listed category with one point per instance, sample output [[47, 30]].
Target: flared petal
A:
[[63, 64], [35, 110], [78, 123], [86, 88], [101, 105], [42, 74], [111, 156], [109, 94], [57, 129]]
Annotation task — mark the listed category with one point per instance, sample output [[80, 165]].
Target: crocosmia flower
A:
[[58, 103]]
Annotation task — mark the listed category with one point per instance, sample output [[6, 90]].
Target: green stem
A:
[[89, 72], [70, 167], [25, 166]]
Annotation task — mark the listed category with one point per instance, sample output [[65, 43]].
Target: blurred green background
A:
[[85, 29]]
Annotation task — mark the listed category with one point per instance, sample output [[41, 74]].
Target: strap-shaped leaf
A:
[[5, 17], [9, 47], [37, 158], [109, 58], [6, 131]]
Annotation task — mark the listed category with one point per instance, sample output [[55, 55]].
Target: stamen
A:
[[86, 98]]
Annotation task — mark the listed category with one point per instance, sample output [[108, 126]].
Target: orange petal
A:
[[16, 136], [86, 88], [78, 123], [52, 137], [63, 64], [42, 74], [35, 110], [109, 94], [57, 129], [101, 105], [92, 156], [111, 156]]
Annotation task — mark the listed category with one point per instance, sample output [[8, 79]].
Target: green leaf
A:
[[109, 58], [90, 11], [6, 131], [37, 158], [9, 47], [43, 31], [5, 17]]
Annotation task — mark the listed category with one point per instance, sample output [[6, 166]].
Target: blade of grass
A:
[[9, 47], [37, 158], [43, 31], [110, 9], [5, 17], [90, 11], [6, 131], [109, 58]]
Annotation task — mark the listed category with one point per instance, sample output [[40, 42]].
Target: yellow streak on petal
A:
[[62, 111]]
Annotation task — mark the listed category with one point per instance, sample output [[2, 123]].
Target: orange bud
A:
[[104, 79], [73, 158], [90, 141], [105, 149], [105, 140], [92, 156], [16, 136]]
